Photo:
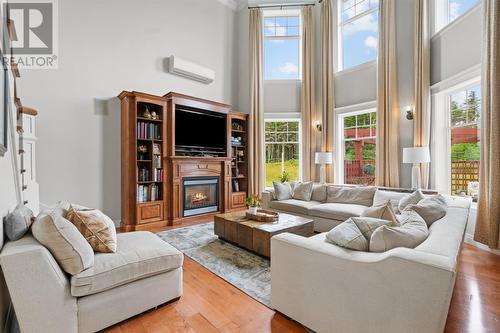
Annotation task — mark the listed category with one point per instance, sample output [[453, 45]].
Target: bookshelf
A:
[[239, 159], [143, 133]]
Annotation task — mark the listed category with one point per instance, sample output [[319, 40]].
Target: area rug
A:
[[246, 271]]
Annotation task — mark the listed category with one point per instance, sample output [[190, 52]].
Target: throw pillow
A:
[[410, 199], [430, 209], [64, 241], [351, 195], [303, 191], [411, 233], [319, 193], [18, 222], [382, 196], [98, 229], [383, 212], [355, 232], [282, 191]]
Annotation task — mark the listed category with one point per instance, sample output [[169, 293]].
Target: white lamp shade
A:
[[416, 155], [323, 158]]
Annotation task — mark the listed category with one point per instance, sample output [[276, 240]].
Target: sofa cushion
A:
[[282, 191], [18, 222], [294, 206], [383, 211], [319, 192], [98, 229], [430, 209], [139, 255], [351, 195], [336, 211], [382, 196], [303, 191], [62, 238], [355, 233], [410, 199], [412, 231]]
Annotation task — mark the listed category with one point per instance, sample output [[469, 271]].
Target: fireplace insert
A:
[[200, 195]]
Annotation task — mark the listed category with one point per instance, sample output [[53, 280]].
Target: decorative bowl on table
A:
[[263, 216]]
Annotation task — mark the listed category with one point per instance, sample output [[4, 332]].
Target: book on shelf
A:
[[158, 175], [143, 174], [156, 149], [147, 193], [157, 161], [148, 131]]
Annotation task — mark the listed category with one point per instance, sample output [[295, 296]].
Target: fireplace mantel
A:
[[184, 167]]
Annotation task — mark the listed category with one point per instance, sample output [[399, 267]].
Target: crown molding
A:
[[233, 4]]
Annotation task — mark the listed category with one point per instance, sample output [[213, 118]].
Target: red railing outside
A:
[[360, 172], [463, 172]]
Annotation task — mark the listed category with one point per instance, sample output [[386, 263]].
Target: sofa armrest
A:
[[39, 289], [267, 196], [330, 289]]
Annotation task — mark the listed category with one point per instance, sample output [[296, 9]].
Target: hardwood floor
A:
[[209, 304]]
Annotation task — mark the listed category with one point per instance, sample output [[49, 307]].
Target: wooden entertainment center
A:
[[183, 159]]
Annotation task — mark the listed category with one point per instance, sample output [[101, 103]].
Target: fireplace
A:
[[200, 195]]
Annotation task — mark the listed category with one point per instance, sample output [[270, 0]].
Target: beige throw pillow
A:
[[282, 191], [303, 191], [430, 209], [384, 212], [355, 233], [410, 199], [411, 233], [98, 229], [319, 192], [64, 241], [351, 195]]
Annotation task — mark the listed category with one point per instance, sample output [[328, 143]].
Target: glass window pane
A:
[[293, 126], [269, 31], [269, 21], [362, 6], [270, 126], [360, 40], [348, 13], [293, 31], [457, 8], [347, 4], [281, 21], [293, 137], [281, 59], [293, 21], [282, 157]]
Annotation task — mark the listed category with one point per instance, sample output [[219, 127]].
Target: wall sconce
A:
[[409, 112], [318, 126]]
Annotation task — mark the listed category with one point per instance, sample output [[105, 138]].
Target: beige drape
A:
[[388, 114], [256, 122], [488, 213], [307, 95], [327, 92], [422, 114]]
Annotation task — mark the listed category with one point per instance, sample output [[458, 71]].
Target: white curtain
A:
[[388, 114], [488, 212], [256, 121]]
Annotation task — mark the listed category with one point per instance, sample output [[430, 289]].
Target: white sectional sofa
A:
[[332, 289], [326, 215]]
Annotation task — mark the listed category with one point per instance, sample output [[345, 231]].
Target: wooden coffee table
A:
[[256, 236]]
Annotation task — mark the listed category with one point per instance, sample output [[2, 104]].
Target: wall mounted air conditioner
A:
[[190, 70]]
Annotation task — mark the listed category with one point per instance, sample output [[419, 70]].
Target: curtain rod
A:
[[283, 6]]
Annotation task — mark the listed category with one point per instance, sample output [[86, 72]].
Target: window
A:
[[282, 46], [358, 32], [358, 144], [465, 111], [282, 150], [447, 11]]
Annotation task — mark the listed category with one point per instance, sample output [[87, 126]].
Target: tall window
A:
[[358, 147], [282, 46], [282, 150], [358, 32], [447, 11], [465, 111]]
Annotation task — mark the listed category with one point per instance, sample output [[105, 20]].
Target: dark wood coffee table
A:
[[256, 236]]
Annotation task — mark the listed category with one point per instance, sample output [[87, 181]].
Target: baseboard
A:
[[469, 239]]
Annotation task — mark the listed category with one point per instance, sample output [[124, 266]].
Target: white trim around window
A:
[[441, 133], [439, 17]]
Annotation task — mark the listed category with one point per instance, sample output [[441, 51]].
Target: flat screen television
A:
[[195, 129]]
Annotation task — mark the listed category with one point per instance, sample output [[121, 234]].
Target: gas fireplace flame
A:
[[198, 197]]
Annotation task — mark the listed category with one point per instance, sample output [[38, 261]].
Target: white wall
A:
[[106, 47]]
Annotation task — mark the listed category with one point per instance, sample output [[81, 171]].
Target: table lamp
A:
[[323, 158], [416, 155]]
